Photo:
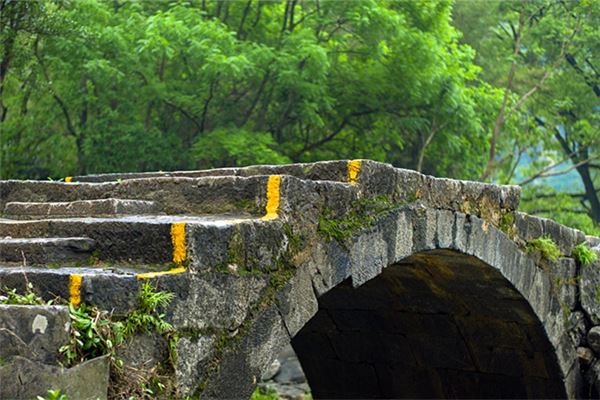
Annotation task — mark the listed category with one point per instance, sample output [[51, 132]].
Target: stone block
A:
[[34, 332], [193, 357], [215, 300], [25, 379], [589, 286], [297, 302]]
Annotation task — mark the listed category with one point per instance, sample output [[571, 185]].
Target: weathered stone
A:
[[297, 302], [35, 332], [81, 208], [271, 371], [144, 351], [589, 285], [429, 299], [46, 250], [368, 256], [215, 301], [193, 356], [585, 355], [239, 373], [25, 379], [593, 339]]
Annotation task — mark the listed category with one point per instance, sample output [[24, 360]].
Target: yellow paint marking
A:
[[353, 171], [75, 289], [178, 240], [148, 275], [272, 207], [68, 179]]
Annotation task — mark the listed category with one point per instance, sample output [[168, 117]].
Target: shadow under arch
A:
[[437, 324]]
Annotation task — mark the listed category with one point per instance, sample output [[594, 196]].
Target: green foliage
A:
[[95, 333], [53, 395], [29, 298], [547, 66], [546, 246], [362, 214], [237, 147], [507, 223], [262, 393], [171, 85], [92, 334], [147, 315], [583, 254]]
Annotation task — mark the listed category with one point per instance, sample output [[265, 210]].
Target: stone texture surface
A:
[[25, 379], [80, 208], [35, 332], [46, 250]]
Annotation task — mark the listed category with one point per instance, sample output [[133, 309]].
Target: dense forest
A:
[[504, 92]]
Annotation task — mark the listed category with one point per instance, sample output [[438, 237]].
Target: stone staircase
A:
[[94, 243]]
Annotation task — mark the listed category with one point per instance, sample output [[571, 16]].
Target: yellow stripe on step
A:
[[148, 275], [178, 240], [353, 171], [75, 289], [273, 195]]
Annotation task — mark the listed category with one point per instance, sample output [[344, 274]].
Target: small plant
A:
[[53, 395], [94, 333], [265, 393], [147, 316], [583, 254], [29, 298], [546, 246]]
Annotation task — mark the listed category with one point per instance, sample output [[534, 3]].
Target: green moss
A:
[[507, 224], [546, 246], [583, 254], [362, 214], [296, 242], [264, 394]]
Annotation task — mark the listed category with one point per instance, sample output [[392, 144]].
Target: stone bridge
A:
[[386, 282]]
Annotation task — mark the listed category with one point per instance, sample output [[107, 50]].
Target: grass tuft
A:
[[583, 254], [546, 246]]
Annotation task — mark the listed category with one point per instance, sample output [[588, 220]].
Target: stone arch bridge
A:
[[387, 283]]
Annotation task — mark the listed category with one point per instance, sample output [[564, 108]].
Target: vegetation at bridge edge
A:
[[583, 254], [505, 92], [30, 297], [546, 246], [95, 333], [361, 214]]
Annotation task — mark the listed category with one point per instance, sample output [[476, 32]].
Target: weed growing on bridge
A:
[[94, 333], [29, 298], [583, 254], [546, 246], [53, 395], [362, 214]]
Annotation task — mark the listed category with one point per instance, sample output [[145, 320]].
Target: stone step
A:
[[42, 250], [114, 288], [323, 170], [171, 195], [204, 242], [79, 208]]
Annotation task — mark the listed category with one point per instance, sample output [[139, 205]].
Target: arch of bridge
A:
[[426, 303]]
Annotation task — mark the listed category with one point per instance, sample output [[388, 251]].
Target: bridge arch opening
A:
[[438, 324]]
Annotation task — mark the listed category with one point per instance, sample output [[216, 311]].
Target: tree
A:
[[165, 85], [551, 92]]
